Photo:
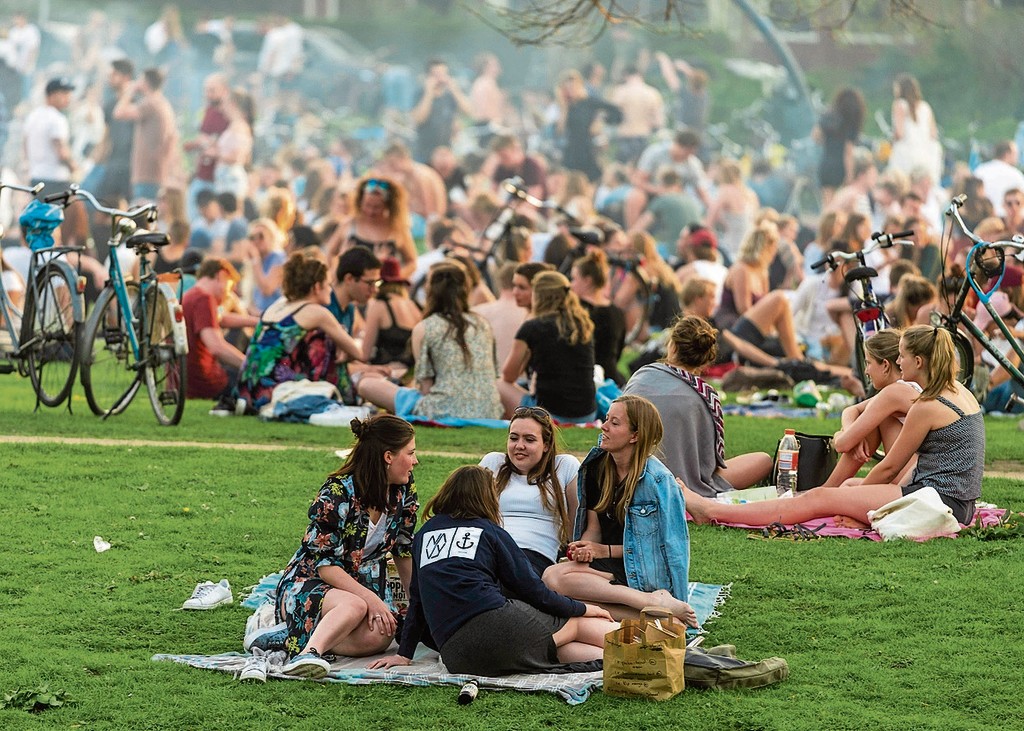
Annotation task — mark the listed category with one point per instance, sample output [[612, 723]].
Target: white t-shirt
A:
[[999, 177], [26, 40], [43, 126], [523, 515], [281, 52]]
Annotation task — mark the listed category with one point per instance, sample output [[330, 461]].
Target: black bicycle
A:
[[985, 260], [868, 311]]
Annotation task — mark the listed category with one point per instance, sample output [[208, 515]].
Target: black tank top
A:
[[394, 343]]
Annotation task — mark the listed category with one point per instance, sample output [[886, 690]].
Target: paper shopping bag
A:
[[644, 657]]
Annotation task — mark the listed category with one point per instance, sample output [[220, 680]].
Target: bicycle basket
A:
[[38, 222]]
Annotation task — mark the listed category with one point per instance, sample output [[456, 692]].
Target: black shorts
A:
[[746, 330], [963, 510], [614, 566]]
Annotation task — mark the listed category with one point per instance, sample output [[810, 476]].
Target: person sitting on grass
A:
[[454, 352], [536, 486], [690, 409], [296, 337], [556, 342], [333, 594], [944, 428], [631, 546], [879, 419], [464, 562]]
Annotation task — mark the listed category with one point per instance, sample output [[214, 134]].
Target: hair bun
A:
[[359, 427]]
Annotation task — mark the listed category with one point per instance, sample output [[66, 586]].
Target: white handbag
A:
[[921, 514]]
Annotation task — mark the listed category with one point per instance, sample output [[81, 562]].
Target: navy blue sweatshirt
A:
[[458, 569]]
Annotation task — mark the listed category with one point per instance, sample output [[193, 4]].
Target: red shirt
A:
[[214, 122], [206, 376]]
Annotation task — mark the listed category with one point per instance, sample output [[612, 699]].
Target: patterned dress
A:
[[284, 351], [337, 530], [461, 391]]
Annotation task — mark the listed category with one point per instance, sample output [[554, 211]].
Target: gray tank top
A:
[[952, 458]]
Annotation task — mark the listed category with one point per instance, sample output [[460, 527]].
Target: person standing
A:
[[155, 155], [48, 138], [915, 135], [25, 39], [113, 163], [434, 115], [214, 122], [643, 114], [1000, 174], [838, 132], [580, 112]]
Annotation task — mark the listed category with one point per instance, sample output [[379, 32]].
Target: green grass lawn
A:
[[892, 636]]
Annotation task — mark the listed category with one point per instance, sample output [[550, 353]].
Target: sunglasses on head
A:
[[532, 412], [382, 186]]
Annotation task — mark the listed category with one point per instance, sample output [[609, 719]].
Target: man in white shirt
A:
[[47, 138], [1000, 174], [281, 56], [24, 37]]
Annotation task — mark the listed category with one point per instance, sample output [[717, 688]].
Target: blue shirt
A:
[[656, 539]]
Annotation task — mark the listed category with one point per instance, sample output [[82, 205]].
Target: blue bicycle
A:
[[136, 331]]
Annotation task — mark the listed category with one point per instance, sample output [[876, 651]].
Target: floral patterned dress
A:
[[284, 351], [335, 537]]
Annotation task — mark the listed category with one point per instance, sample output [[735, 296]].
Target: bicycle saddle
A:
[[147, 238], [858, 273]]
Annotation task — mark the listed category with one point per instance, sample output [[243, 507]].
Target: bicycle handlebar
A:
[[881, 241], [148, 209], [953, 210], [34, 190]]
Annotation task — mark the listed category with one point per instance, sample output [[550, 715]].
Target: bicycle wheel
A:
[[52, 334], [964, 357], [110, 373], [164, 369]]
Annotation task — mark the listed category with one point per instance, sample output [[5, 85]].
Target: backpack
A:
[[718, 668]]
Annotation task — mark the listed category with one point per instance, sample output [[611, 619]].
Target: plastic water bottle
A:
[[786, 466]]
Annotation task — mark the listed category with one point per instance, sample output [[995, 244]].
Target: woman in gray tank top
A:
[[944, 428]]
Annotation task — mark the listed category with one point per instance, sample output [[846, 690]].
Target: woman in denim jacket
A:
[[631, 546]]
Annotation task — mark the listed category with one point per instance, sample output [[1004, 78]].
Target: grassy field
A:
[[891, 636]]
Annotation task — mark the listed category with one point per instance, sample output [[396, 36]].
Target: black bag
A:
[[817, 460], [718, 668]]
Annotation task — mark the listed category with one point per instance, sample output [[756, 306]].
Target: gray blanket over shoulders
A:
[[689, 445]]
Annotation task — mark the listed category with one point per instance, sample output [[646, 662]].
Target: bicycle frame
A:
[[956, 317]]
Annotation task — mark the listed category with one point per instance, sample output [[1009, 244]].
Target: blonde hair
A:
[[756, 242], [645, 247], [935, 346], [553, 298], [645, 422]]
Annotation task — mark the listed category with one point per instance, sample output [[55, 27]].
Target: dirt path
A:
[[19, 439], [1002, 468]]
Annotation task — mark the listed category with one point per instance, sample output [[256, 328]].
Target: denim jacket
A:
[[656, 540]]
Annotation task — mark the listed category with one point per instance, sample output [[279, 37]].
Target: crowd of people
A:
[[534, 266]]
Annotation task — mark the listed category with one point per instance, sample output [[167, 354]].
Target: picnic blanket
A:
[[427, 669], [984, 517], [768, 410], [452, 421]]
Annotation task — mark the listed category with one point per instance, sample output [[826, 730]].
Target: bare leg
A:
[[379, 391], [584, 583], [821, 502], [343, 629], [511, 396], [772, 313], [745, 470], [582, 638]]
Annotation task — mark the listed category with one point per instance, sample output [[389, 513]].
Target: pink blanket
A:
[[822, 527]]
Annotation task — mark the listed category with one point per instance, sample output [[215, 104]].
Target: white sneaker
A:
[[208, 595], [255, 668]]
